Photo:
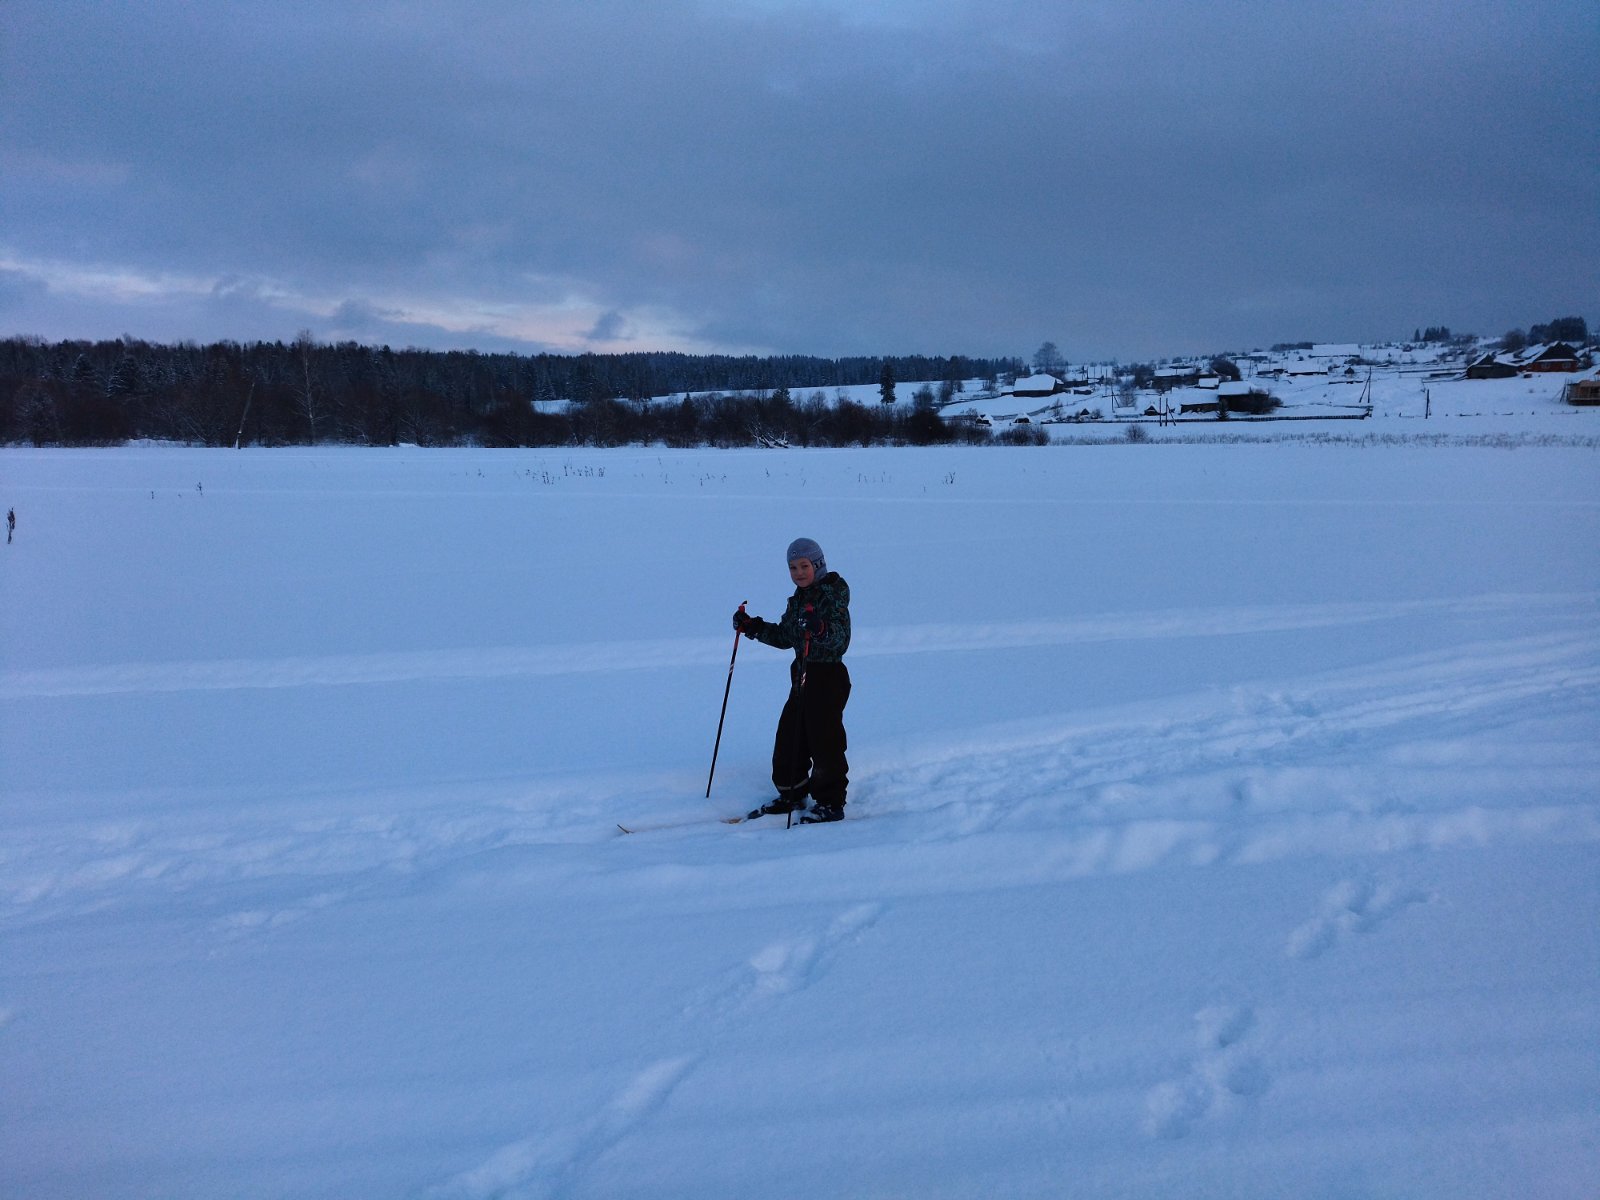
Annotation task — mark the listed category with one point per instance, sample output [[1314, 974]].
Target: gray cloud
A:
[[611, 327], [753, 174]]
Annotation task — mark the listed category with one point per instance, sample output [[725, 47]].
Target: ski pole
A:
[[798, 695], [805, 653], [725, 692]]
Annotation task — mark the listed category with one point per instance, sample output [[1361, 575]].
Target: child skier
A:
[[808, 756]]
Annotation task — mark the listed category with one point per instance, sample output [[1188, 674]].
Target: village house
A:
[[1302, 366], [1554, 356], [1583, 391], [1239, 396], [1491, 366], [1343, 351], [1167, 378], [1034, 386]]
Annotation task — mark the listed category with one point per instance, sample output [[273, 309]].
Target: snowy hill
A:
[[1223, 821], [1360, 391], [1323, 390]]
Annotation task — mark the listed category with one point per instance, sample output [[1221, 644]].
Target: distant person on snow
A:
[[808, 756], [11, 524]]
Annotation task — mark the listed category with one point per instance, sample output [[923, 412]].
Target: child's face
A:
[[802, 572]]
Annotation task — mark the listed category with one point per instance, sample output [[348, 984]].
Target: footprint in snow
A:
[[788, 964], [1350, 907], [792, 963], [1225, 1068], [546, 1165]]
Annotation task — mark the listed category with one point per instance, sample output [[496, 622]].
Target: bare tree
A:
[[303, 343]]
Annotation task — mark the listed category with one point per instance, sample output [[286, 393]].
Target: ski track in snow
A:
[[1348, 763], [512, 662], [1216, 763]]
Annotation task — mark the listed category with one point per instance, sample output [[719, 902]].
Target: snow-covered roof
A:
[[1533, 353], [1036, 383], [1504, 360]]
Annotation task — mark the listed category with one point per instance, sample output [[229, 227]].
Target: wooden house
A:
[[1167, 378], [1584, 391], [1033, 386], [1240, 397], [1556, 356], [1491, 366]]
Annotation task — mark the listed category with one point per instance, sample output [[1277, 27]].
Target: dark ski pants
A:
[[808, 751]]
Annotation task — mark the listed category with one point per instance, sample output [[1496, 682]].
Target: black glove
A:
[[744, 623], [810, 623]]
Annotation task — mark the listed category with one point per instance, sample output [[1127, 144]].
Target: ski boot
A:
[[787, 803]]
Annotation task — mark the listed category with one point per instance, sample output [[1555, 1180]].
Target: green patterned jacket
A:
[[829, 597]]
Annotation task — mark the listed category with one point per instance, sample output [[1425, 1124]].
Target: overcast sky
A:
[[1127, 180]]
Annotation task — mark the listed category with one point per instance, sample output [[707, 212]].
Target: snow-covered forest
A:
[[307, 393]]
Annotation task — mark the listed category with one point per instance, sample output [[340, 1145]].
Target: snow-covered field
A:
[[1225, 821]]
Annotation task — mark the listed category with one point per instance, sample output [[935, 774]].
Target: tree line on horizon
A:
[[77, 393]]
